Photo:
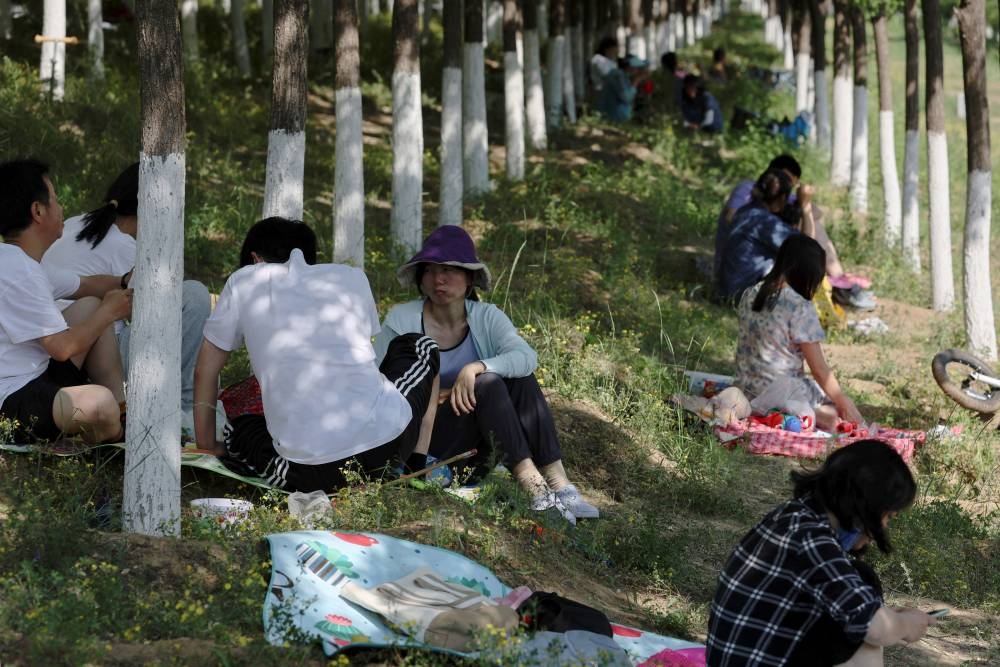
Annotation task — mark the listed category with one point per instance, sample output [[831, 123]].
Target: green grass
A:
[[607, 233]]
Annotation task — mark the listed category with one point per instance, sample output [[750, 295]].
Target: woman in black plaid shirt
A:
[[790, 593]]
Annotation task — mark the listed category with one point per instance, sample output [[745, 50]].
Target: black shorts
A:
[[31, 405]]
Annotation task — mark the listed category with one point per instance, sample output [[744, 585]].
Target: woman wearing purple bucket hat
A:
[[488, 389]]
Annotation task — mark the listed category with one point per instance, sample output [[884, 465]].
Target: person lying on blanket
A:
[[792, 594], [60, 372], [307, 328], [488, 392], [779, 329]]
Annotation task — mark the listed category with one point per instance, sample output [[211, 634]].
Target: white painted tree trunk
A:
[[689, 31], [942, 278], [637, 45], [237, 26], [284, 180], [53, 61], [621, 35], [534, 95], [266, 29], [407, 161], [821, 110], [152, 498], [859, 152], [802, 66], [579, 60], [494, 22], [890, 178], [671, 36], [554, 85], [652, 52], [513, 93], [979, 322], [843, 119], [543, 20], [706, 23], [788, 51], [189, 28], [569, 91], [475, 141], [95, 39], [6, 20], [911, 207], [450, 208], [677, 21], [349, 179]]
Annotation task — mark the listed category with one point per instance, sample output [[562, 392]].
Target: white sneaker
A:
[[574, 502], [549, 500]]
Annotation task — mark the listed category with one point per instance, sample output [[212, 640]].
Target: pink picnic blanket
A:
[[760, 439]]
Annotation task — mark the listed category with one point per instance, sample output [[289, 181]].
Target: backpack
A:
[[548, 611]]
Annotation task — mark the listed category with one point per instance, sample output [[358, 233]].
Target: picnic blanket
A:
[[309, 569], [189, 458], [760, 439]]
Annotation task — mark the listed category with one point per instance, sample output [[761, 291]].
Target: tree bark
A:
[[859, 128], [349, 176], [152, 493], [821, 107], [53, 62], [556, 63], [911, 155], [569, 56], [286, 142], [475, 139], [942, 278], [407, 127], [238, 30], [649, 17], [788, 52], [887, 133], [189, 24], [513, 92], [450, 207], [979, 321], [801, 27], [637, 28], [843, 117], [534, 95], [95, 39]]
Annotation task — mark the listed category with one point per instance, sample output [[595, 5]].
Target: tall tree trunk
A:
[[637, 28], [859, 128], [589, 40], [801, 25], [534, 95], [649, 16], [349, 175], [788, 52], [475, 140], [979, 322], [942, 278], [53, 63], [911, 153], [450, 207], [840, 165], [95, 39], [513, 92], [407, 128], [189, 24], [6, 20], [772, 28], [821, 107], [493, 23], [286, 142], [578, 58], [887, 133], [556, 62], [152, 494], [238, 30], [568, 79], [266, 31]]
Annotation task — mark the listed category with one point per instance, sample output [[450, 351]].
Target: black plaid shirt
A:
[[784, 575]]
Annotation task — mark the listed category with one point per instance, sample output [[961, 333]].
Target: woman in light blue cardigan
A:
[[489, 393]]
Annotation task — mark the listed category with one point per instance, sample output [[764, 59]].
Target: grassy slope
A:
[[595, 256]]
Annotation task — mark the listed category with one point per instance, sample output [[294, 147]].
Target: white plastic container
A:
[[223, 511]]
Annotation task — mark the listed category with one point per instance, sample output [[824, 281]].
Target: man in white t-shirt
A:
[[60, 372], [307, 328]]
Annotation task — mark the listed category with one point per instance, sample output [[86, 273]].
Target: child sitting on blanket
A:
[[779, 329], [790, 594]]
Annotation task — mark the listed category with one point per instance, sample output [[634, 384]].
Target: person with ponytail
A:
[[757, 231], [793, 592], [779, 330], [103, 242]]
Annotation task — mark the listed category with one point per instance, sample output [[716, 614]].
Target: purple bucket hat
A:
[[448, 244]]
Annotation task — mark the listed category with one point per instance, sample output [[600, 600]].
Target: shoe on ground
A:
[[549, 503], [855, 297], [574, 502]]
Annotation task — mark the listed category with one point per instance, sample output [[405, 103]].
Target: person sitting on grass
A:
[[757, 232], [792, 594], [700, 110], [103, 241], [779, 330], [488, 392], [850, 290], [60, 372], [602, 62], [617, 99], [307, 328]]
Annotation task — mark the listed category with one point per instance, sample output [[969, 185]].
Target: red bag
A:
[[242, 398]]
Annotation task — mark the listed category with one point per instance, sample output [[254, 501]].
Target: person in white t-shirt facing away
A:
[[307, 328], [103, 242], [60, 372]]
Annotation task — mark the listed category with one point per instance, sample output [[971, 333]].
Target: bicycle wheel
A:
[[952, 371]]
